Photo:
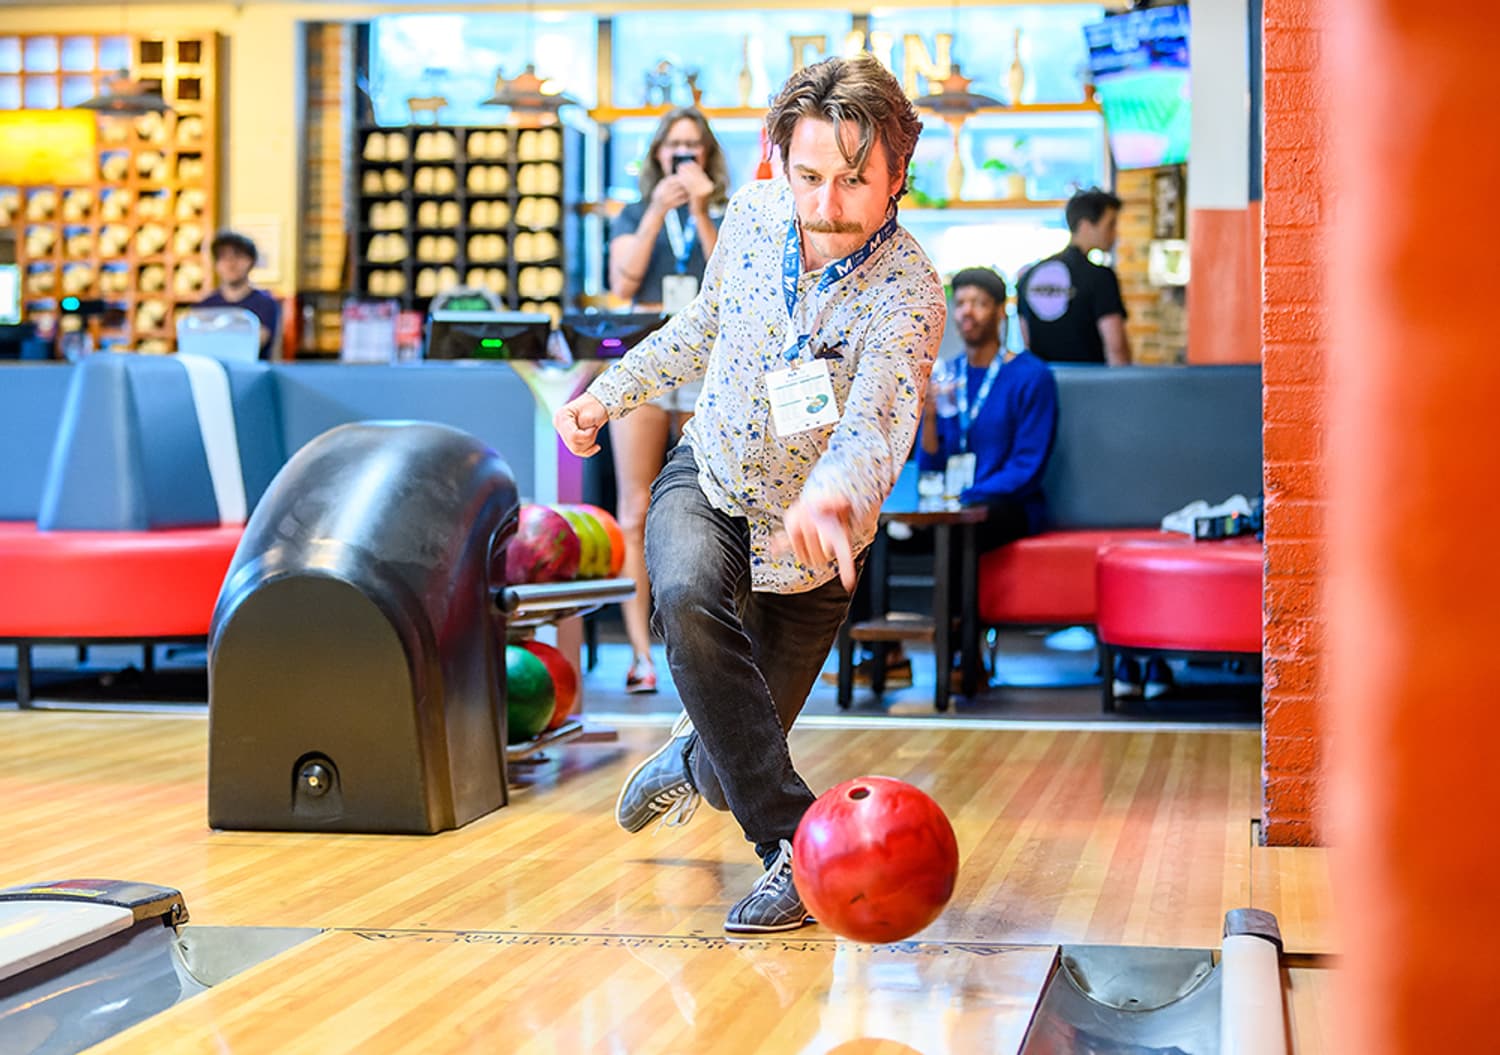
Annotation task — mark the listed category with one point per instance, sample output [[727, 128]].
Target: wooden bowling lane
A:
[[1293, 882], [543, 925], [443, 991], [1107, 837], [1307, 995], [1103, 837]]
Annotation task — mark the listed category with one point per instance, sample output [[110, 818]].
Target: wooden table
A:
[[885, 627]]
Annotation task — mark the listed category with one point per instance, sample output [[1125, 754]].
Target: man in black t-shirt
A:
[[1070, 307], [234, 258]]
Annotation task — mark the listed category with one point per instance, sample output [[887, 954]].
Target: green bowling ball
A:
[[529, 696]]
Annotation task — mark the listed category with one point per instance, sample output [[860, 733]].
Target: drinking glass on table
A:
[[947, 374]]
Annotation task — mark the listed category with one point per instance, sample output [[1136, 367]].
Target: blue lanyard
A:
[[964, 421], [682, 241], [791, 270]]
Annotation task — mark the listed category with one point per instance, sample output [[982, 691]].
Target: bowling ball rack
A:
[[530, 605]]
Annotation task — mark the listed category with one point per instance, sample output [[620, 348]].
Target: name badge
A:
[[801, 398], [677, 292], [959, 476]]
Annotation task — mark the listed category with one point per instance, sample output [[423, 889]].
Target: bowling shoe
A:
[[659, 786], [773, 904], [1126, 677], [1159, 679]]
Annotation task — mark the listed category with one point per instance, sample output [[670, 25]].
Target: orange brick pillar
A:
[[1414, 476], [1293, 333]]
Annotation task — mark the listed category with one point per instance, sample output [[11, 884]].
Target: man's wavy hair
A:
[[858, 90]]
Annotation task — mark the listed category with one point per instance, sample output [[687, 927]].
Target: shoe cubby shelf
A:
[[438, 207], [135, 235]]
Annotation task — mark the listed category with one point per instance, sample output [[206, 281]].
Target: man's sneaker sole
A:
[[678, 727], [775, 928]]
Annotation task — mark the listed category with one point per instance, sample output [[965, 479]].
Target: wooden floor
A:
[[542, 927]]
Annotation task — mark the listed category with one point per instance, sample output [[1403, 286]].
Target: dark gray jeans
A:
[[743, 661]]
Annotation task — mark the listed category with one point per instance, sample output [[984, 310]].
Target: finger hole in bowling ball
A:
[[859, 793]]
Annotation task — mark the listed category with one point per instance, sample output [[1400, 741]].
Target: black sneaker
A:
[[773, 904], [659, 787], [1159, 679], [1127, 677]]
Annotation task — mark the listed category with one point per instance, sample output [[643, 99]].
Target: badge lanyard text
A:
[[791, 271]]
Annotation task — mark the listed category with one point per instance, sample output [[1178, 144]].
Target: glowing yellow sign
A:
[[47, 147]]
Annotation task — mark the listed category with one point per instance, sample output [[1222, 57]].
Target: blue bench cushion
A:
[[148, 442]]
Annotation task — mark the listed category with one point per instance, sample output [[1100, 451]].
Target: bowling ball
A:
[[545, 547], [616, 536], [564, 679], [593, 561], [875, 859], [529, 698]]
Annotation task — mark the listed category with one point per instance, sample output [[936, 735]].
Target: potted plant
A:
[[1011, 169]]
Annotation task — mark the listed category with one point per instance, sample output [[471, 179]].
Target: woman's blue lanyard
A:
[[791, 271], [962, 395], [682, 241]]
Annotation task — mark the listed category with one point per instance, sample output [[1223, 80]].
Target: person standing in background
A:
[[234, 258], [1070, 308], [658, 250]]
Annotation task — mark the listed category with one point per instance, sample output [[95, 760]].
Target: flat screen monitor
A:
[[608, 335], [503, 335], [1139, 63], [10, 294]]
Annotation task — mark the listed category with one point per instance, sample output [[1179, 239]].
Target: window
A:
[[457, 57]]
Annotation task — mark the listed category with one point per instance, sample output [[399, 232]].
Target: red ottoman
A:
[[88, 586], [1048, 578], [1200, 597]]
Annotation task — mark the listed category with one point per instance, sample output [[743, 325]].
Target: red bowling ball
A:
[[875, 859]]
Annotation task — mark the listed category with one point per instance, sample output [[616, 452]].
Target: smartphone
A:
[[678, 160]]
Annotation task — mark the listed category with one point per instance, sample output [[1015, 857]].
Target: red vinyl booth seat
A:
[[1192, 597], [76, 585], [1048, 578]]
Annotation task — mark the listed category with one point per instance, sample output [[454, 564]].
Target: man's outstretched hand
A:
[[816, 530], [578, 423]]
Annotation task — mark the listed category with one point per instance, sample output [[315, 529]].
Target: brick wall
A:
[[1293, 333], [1156, 319]]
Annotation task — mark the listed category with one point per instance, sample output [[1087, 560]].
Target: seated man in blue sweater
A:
[[990, 417]]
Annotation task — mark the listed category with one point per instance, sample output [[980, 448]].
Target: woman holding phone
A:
[[658, 249]]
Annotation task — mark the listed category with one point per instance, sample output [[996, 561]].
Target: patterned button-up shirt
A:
[[878, 328]]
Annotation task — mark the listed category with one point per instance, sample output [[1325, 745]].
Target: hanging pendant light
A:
[[123, 97], [953, 98], [528, 92], [954, 103]]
